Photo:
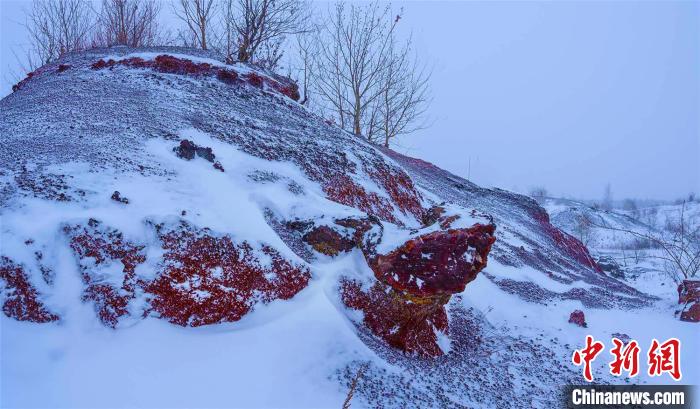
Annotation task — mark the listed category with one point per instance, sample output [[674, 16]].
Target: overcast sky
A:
[[566, 95]]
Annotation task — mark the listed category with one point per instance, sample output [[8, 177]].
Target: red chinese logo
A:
[[586, 355], [665, 358], [662, 358], [626, 358]]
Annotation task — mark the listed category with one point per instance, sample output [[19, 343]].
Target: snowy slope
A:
[[208, 289]]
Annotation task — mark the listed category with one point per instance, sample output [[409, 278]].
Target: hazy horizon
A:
[[566, 95]]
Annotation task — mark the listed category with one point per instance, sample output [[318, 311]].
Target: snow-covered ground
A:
[[509, 344]]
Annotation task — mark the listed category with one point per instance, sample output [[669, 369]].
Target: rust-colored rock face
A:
[[437, 263], [173, 65], [327, 241], [202, 278], [95, 246], [207, 278], [22, 299], [400, 321], [344, 190], [406, 305], [689, 298], [578, 317]]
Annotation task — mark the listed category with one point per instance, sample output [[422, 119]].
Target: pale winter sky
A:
[[566, 95]]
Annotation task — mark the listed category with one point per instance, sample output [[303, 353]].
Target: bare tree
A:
[[404, 96], [607, 203], [56, 27], [583, 229], [539, 194], [679, 245], [630, 206], [353, 56], [128, 22], [307, 54], [254, 26], [198, 15]]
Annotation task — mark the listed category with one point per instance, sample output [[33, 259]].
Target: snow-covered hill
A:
[[178, 232]]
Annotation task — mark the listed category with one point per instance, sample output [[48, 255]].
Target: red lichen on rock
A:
[[441, 262], [399, 186], [342, 189], [207, 278], [577, 317], [22, 299], [403, 323], [689, 297], [105, 245]]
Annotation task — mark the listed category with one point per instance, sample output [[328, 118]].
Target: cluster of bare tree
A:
[[57, 27], [370, 80], [678, 242], [350, 61]]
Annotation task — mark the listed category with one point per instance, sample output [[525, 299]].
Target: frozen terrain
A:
[[234, 277]]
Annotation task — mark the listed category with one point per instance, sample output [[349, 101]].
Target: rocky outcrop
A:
[[689, 298], [168, 64], [405, 305], [201, 278], [437, 263], [207, 278], [579, 318]]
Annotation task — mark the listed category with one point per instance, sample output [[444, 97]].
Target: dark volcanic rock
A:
[[117, 197]]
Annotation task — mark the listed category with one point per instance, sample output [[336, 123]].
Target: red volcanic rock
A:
[[22, 302], [432, 215], [255, 80], [404, 323], [207, 278], [344, 190], [106, 245], [441, 262], [405, 306], [572, 246], [577, 317], [227, 76], [328, 241], [291, 90], [689, 297], [344, 235], [399, 186], [172, 65], [22, 83]]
